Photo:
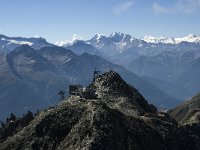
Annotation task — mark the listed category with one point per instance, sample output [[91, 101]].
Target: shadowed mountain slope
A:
[[187, 112], [31, 79], [119, 119]]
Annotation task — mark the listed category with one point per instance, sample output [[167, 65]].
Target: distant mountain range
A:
[[123, 41], [169, 69], [159, 60], [124, 48], [30, 79], [170, 40], [8, 44]]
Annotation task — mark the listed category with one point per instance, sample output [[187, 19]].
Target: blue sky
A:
[[61, 19]]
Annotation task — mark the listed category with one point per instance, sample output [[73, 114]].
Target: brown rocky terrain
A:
[[119, 119]]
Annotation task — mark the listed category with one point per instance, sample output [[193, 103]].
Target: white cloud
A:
[[180, 6], [76, 37], [66, 42], [122, 7], [160, 9], [36, 36]]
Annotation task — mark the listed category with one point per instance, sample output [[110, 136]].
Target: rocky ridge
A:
[[119, 119]]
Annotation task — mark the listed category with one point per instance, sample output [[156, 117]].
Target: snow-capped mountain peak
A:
[[118, 42], [7, 44], [119, 37], [162, 39], [170, 40], [192, 36], [113, 44], [189, 38], [97, 37], [119, 34], [65, 43], [149, 39], [11, 41]]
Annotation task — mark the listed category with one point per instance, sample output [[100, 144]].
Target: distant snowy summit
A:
[[66, 43], [170, 40], [9, 43], [122, 40], [113, 44], [63, 43], [118, 42]]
